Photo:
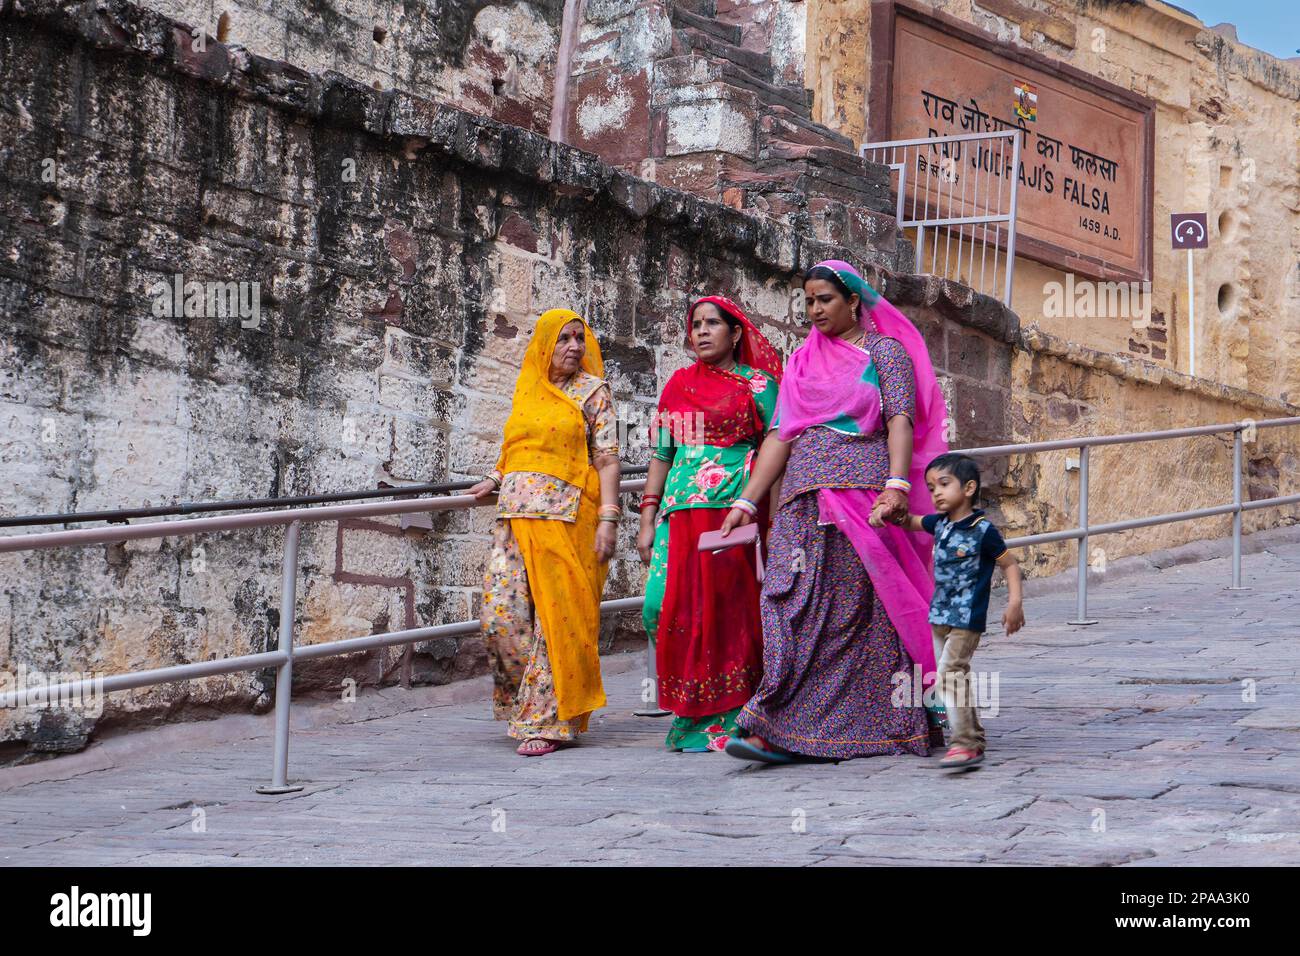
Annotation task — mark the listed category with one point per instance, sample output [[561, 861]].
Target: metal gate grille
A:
[[958, 193]]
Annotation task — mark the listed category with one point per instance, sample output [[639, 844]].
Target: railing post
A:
[[284, 674], [1011, 222], [1236, 514], [652, 675], [902, 193], [1081, 589]]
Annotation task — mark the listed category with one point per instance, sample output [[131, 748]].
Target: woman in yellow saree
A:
[[557, 520]]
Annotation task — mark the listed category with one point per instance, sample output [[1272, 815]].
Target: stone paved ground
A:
[[1137, 723]]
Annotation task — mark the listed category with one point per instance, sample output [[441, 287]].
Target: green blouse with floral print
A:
[[709, 476]]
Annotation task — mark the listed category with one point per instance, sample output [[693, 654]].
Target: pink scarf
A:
[[829, 382]]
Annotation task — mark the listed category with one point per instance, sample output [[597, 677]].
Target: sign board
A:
[[1086, 146], [1189, 230]]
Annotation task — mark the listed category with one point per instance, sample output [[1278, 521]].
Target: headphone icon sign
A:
[[1190, 230]]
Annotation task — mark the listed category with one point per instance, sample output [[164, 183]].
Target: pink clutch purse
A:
[[745, 534]]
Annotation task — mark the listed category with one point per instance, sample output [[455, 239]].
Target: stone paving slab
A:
[[1130, 742]]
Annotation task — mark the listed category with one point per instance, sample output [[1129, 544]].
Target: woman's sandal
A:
[[739, 747], [747, 751], [524, 750]]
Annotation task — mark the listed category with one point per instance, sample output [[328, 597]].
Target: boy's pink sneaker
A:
[[961, 757]]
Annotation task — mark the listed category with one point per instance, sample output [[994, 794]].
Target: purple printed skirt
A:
[[830, 652]]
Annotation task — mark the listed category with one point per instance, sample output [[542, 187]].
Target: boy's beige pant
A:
[[953, 648]]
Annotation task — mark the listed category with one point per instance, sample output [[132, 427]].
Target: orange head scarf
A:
[[546, 431]]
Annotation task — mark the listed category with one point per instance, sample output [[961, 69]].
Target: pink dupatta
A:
[[825, 385]]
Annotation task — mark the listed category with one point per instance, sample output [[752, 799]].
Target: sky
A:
[[1270, 25]]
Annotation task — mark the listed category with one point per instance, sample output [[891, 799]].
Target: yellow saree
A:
[[546, 433]]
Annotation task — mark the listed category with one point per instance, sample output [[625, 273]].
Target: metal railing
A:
[[123, 515], [292, 519], [1085, 530], [982, 214], [286, 653]]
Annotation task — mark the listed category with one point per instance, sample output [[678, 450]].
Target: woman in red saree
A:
[[701, 608]]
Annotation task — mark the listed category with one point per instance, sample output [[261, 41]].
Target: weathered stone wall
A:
[[707, 96], [1227, 141], [1228, 128], [1059, 388], [492, 58]]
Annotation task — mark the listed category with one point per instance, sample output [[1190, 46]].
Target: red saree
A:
[[709, 645]]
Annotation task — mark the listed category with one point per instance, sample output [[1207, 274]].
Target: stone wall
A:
[[718, 108], [492, 58], [1006, 384], [1059, 388], [707, 96]]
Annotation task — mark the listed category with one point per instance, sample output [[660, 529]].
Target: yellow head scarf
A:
[[546, 431]]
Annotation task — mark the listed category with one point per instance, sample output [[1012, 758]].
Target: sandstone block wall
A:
[[1006, 384], [707, 96], [1059, 389]]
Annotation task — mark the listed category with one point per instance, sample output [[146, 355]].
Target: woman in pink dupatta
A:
[[845, 605]]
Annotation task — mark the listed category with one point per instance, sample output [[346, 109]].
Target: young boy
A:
[[966, 547]]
